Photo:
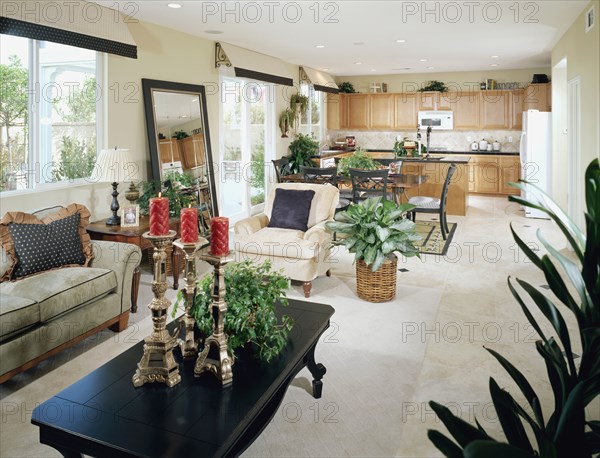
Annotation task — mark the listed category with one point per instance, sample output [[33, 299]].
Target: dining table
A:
[[398, 183]]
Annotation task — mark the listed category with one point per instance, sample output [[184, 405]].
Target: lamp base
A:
[[114, 220]]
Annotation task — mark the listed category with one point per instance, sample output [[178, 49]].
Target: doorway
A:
[[575, 190]]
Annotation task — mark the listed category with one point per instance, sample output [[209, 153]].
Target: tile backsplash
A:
[[448, 140]]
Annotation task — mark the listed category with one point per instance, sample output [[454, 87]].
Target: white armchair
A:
[[302, 255]]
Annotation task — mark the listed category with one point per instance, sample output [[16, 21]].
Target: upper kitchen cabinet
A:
[[381, 111], [405, 111], [333, 110], [517, 99], [538, 97], [495, 109], [465, 106], [358, 111], [434, 101]]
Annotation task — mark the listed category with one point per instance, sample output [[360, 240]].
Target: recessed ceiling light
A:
[[494, 65], [494, 57], [422, 60], [324, 69], [213, 32], [320, 46], [174, 5], [357, 63], [400, 41], [403, 68], [429, 68]]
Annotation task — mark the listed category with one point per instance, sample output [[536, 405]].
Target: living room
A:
[[375, 399]]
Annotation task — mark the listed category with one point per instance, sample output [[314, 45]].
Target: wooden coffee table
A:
[[103, 415], [98, 230]]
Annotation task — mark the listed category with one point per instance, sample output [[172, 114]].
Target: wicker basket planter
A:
[[378, 286]]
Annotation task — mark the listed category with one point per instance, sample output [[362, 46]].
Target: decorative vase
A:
[[378, 286]]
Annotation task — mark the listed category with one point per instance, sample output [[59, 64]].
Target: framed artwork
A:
[[130, 216]]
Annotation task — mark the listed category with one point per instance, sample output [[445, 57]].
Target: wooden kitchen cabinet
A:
[[495, 110], [168, 149], [517, 98], [381, 111], [538, 97], [465, 106], [427, 100], [337, 111], [358, 111], [405, 111], [192, 151], [510, 171], [486, 174]]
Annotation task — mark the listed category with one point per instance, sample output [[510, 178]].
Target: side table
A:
[[98, 230]]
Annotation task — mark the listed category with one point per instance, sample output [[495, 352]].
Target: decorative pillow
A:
[[291, 208], [57, 240]]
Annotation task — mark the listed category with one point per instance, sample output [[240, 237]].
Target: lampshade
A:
[[114, 165]]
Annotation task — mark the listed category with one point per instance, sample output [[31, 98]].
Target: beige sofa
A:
[[303, 255], [45, 313]]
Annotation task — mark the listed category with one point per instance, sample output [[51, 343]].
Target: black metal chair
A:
[[426, 204], [368, 183], [282, 167], [324, 175]]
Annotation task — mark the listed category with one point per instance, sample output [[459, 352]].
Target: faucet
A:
[[428, 135]]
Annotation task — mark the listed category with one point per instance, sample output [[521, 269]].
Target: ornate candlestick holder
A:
[[189, 345], [157, 363], [215, 357]]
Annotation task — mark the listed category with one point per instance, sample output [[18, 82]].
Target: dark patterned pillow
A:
[[34, 245], [46, 246]]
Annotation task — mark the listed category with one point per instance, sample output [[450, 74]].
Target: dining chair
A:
[[282, 167], [425, 204], [325, 175], [368, 183]]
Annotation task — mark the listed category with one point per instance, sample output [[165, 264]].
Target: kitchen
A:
[[484, 124]]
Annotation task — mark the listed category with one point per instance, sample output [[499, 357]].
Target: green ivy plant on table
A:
[[575, 383], [250, 292], [358, 160]]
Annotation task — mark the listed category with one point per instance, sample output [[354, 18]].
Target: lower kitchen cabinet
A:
[[490, 174]]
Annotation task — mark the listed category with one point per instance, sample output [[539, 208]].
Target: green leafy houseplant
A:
[[299, 104], [358, 160], [434, 86], [177, 200], [301, 149], [401, 151], [375, 229], [251, 292], [287, 121], [563, 433], [346, 87]]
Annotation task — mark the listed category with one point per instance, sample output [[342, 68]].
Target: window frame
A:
[[34, 167]]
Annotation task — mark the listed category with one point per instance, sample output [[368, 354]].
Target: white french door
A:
[[247, 145]]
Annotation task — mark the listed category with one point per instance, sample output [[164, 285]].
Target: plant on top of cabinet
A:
[[346, 87], [434, 86]]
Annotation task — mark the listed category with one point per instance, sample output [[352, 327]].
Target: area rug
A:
[[432, 241]]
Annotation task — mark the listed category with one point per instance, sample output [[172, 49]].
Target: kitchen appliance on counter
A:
[[536, 154], [437, 120]]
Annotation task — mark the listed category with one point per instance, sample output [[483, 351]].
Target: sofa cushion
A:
[[16, 314], [291, 208], [59, 239], [273, 241], [58, 291]]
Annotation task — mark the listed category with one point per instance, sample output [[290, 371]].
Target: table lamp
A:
[[112, 166]]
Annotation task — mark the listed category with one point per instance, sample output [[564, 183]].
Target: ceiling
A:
[[452, 36]]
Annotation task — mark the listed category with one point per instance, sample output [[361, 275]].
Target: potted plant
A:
[[346, 87], [171, 188], [250, 292], [287, 120], [299, 104], [301, 149], [358, 160], [375, 229], [574, 381], [434, 86]]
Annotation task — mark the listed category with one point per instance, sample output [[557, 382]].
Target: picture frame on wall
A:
[[130, 216]]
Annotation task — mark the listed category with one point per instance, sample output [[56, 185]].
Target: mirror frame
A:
[[148, 86]]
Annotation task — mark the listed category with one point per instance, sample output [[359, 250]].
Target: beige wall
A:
[[163, 54], [582, 53], [454, 80]]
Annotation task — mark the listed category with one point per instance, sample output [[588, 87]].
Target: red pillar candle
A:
[[219, 236], [159, 215], [189, 225]]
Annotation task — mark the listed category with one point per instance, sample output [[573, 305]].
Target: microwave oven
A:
[[438, 120]]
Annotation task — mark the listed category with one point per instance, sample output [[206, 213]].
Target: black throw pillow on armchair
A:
[[291, 208]]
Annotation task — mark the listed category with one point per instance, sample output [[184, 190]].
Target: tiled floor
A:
[[384, 361]]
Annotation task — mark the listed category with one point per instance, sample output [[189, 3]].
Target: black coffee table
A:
[[104, 415]]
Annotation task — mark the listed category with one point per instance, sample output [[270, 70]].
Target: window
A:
[[246, 145], [311, 122], [48, 112]]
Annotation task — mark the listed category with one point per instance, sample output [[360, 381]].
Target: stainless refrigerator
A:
[[536, 153]]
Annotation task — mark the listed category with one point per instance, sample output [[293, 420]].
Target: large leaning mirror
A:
[[179, 140]]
